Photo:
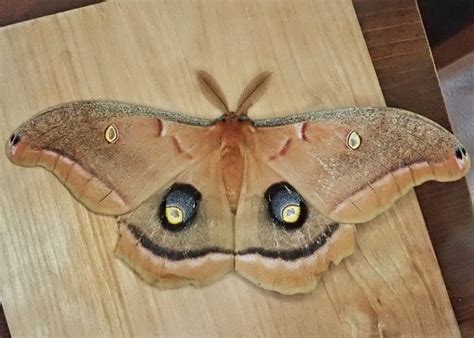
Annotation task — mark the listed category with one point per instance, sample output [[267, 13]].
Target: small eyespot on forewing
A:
[[111, 134]]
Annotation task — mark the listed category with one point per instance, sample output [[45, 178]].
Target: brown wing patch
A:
[[287, 260], [112, 177], [300, 275], [133, 249], [399, 151], [199, 251]]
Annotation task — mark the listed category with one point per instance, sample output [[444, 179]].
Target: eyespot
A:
[[291, 213], [179, 206], [111, 134], [285, 206], [353, 140], [460, 152], [14, 139], [174, 215]]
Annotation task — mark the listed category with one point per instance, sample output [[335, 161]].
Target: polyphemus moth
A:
[[274, 199]]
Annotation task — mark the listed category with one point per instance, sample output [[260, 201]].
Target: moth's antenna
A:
[[253, 92], [212, 91]]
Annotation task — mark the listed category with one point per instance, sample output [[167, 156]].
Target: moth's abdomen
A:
[[232, 171], [232, 161]]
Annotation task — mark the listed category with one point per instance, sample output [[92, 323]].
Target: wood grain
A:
[[402, 60], [60, 272]]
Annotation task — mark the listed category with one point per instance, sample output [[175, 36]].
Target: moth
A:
[[274, 199]]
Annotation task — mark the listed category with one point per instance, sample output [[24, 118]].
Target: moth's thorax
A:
[[232, 160]]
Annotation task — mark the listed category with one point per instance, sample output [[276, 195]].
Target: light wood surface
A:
[[58, 274]]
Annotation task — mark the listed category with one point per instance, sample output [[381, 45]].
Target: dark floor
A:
[[457, 84], [444, 18]]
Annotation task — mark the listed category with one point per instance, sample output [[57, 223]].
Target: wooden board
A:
[[402, 59], [60, 277]]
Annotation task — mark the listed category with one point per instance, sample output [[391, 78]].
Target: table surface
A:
[[397, 44]]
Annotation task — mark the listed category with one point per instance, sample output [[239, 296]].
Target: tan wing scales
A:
[[285, 260], [398, 151], [152, 146], [199, 252]]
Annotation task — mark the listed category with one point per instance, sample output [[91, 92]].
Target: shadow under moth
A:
[[274, 199]]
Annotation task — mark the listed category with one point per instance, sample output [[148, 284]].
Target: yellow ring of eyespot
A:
[[354, 140], [291, 213], [111, 134], [174, 215]]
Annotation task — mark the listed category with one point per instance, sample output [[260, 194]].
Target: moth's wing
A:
[[193, 252], [287, 258], [398, 150], [112, 176]]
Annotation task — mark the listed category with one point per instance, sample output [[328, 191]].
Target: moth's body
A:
[[232, 155], [273, 199]]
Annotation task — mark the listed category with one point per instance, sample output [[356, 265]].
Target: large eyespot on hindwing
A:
[[179, 206], [285, 206]]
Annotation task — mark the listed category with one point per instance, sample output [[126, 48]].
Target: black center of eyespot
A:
[[14, 139], [285, 205], [460, 152], [179, 206]]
